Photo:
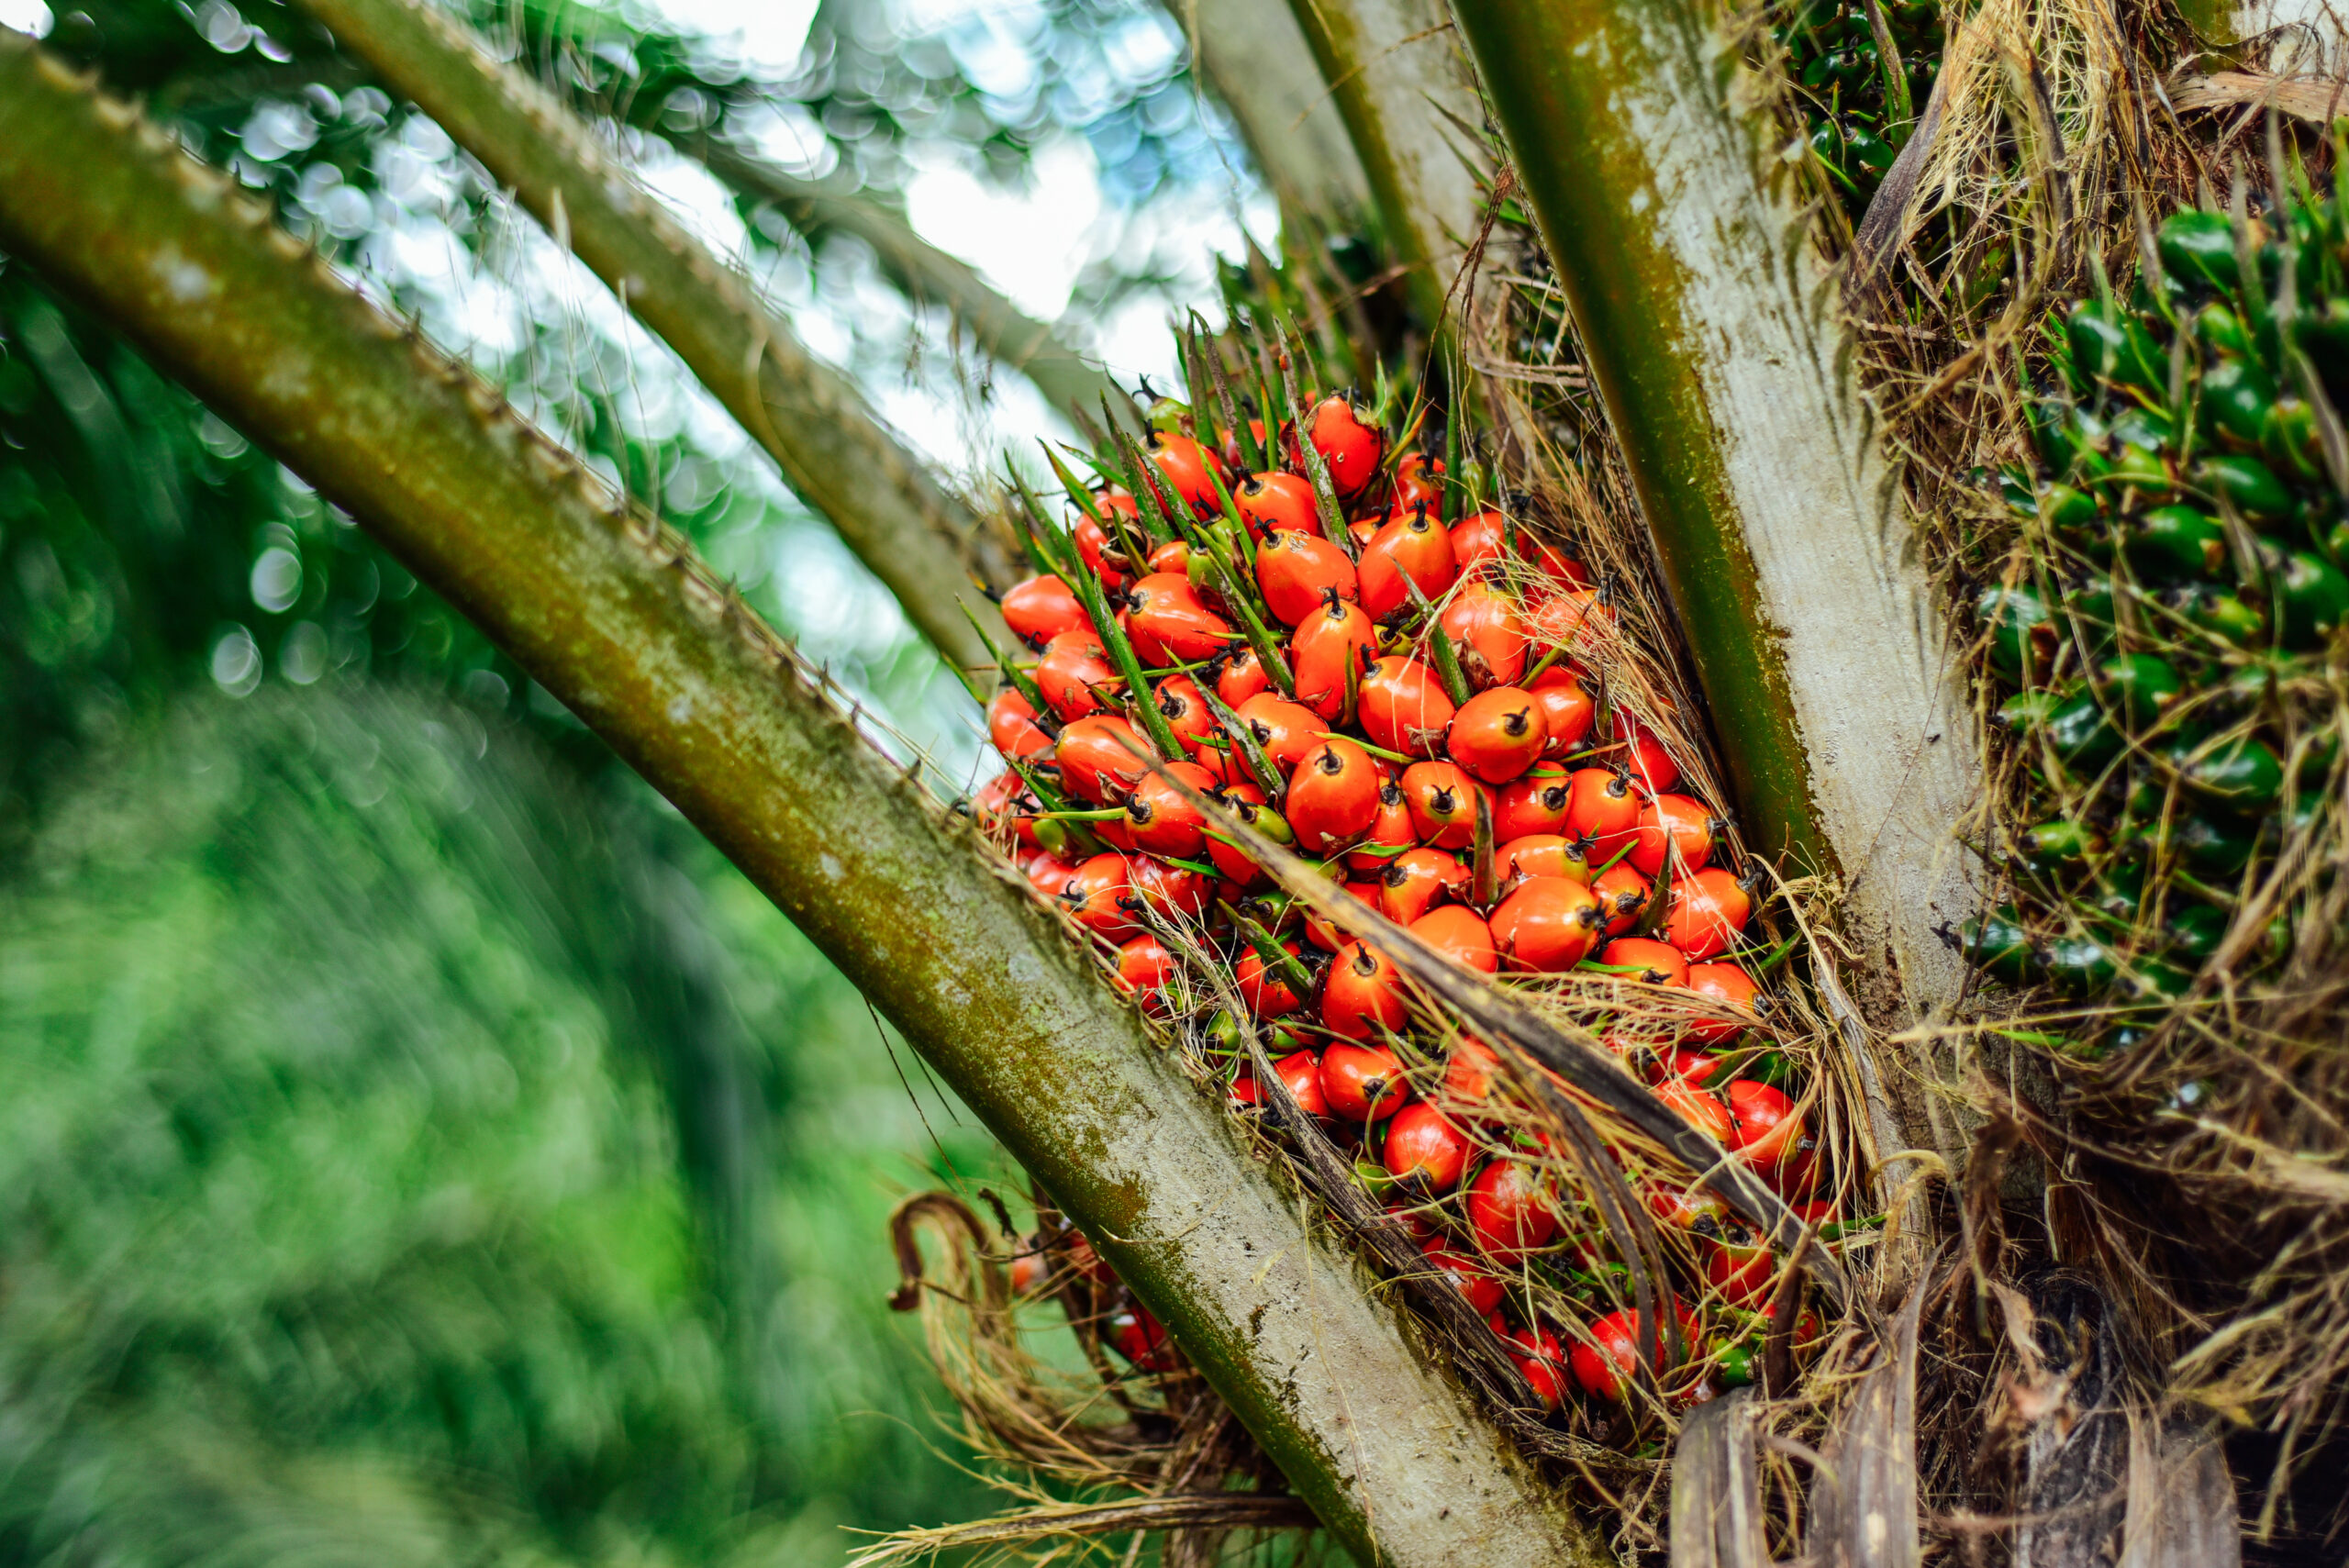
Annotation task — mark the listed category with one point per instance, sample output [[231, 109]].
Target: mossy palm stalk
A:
[[918, 538], [615, 615], [1713, 343]]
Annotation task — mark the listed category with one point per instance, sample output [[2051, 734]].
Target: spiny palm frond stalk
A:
[[923, 542], [613, 613], [1725, 379]]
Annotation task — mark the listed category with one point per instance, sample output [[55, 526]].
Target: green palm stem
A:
[[614, 613], [834, 451]]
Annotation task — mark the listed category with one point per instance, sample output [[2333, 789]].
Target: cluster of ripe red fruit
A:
[[1361, 667]]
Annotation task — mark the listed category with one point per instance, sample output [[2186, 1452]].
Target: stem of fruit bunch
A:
[[615, 614], [831, 448], [1692, 279]]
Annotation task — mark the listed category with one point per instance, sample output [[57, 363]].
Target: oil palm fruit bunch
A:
[[2170, 633], [1857, 101], [1279, 611]]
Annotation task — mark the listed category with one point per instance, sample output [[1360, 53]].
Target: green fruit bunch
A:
[[1858, 110], [2169, 632]]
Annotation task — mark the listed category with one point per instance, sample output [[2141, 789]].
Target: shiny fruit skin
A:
[[1241, 677], [1650, 766], [1497, 734], [1332, 796], [1185, 464], [1404, 708], [1012, 727], [1726, 983], [1468, 1075], [1327, 643], [1541, 854], [1169, 625], [1680, 822], [1301, 1071], [1683, 1062], [1048, 874], [1267, 996], [1546, 925], [1417, 880], [1074, 672], [1542, 1360], [1602, 807], [1004, 807], [1478, 540], [1566, 709], [1488, 634], [1534, 804], [1169, 889], [1141, 1338], [1161, 820], [1623, 894], [1300, 573], [1660, 964], [1094, 762], [1612, 1353], [1362, 994], [1698, 1108], [1766, 1131], [1416, 546], [1419, 480], [1424, 1149], [1362, 1083], [1741, 1268], [1232, 862], [1285, 731], [1708, 913], [1389, 830], [1093, 545], [1349, 440], [1171, 557], [1510, 1212], [1184, 708], [1144, 966], [1461, 935], [1327, 935], [1466, 1274], [1096, 896], [1442, 802], [1041, 608], [1276, 503]]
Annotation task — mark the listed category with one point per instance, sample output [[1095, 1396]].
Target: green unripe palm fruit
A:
[[1996, 942], [2247, 484], [2314, 597], [2198, 249], [2170, 544]]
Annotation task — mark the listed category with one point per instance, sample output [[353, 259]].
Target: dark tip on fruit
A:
[[1390, 793], [1554, 798], [1365, 962], [1329, 762], [1518, 723]]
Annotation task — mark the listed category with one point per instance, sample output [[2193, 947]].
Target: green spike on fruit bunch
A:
[[2169, 636]]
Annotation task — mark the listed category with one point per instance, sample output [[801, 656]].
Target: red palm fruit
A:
[[1731, 986], [1267, 996], [1677, 821], [1232, 862], [1170, 890], [1542, 1360], [1094, 761], [1546, 925], [1681, 1062], [1564, 567], [1464, 1274], [1161, 821], [1460, 934], [1489, 635], [1332, 796], [1403, 706], [1074, 672], [1092, 547], [1658, 963], [1041, 608], [1623, 894], [1601, 808], [1012, 727], [1650, 765], [1327, 935], [1186, 464], [1086, 1261], [1417, 483], [1542, 854], [1174, 557], [1766, 1131], [1241, 677], [1425, 1149], [1497, 734], [1741, 1268], [1301, 1071], [1477, 541], [1547, 1379], [1698, 1108], [1141, 1338], [1535, 803], [1349, 439], [1468, 1075], [1144, 966], [1612, 1355], [1442, 802], [1299, 573], [1562, 617], [1115, 833], [1510, 1212], [1276, 503], [1361, 994], [1245, 1092], [1328, 641], [1168, 623], [1698, 1210], [1004, 809], [1416, 545], [1029, 1269], [1048, 874], [1285, 731], [1566, 708], [1709, 912], [1187, 714], [1415, 879], [1095, 896], [1389, 833], [1362, 1082]]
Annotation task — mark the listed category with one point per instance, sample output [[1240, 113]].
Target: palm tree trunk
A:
[[1257, 61]]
